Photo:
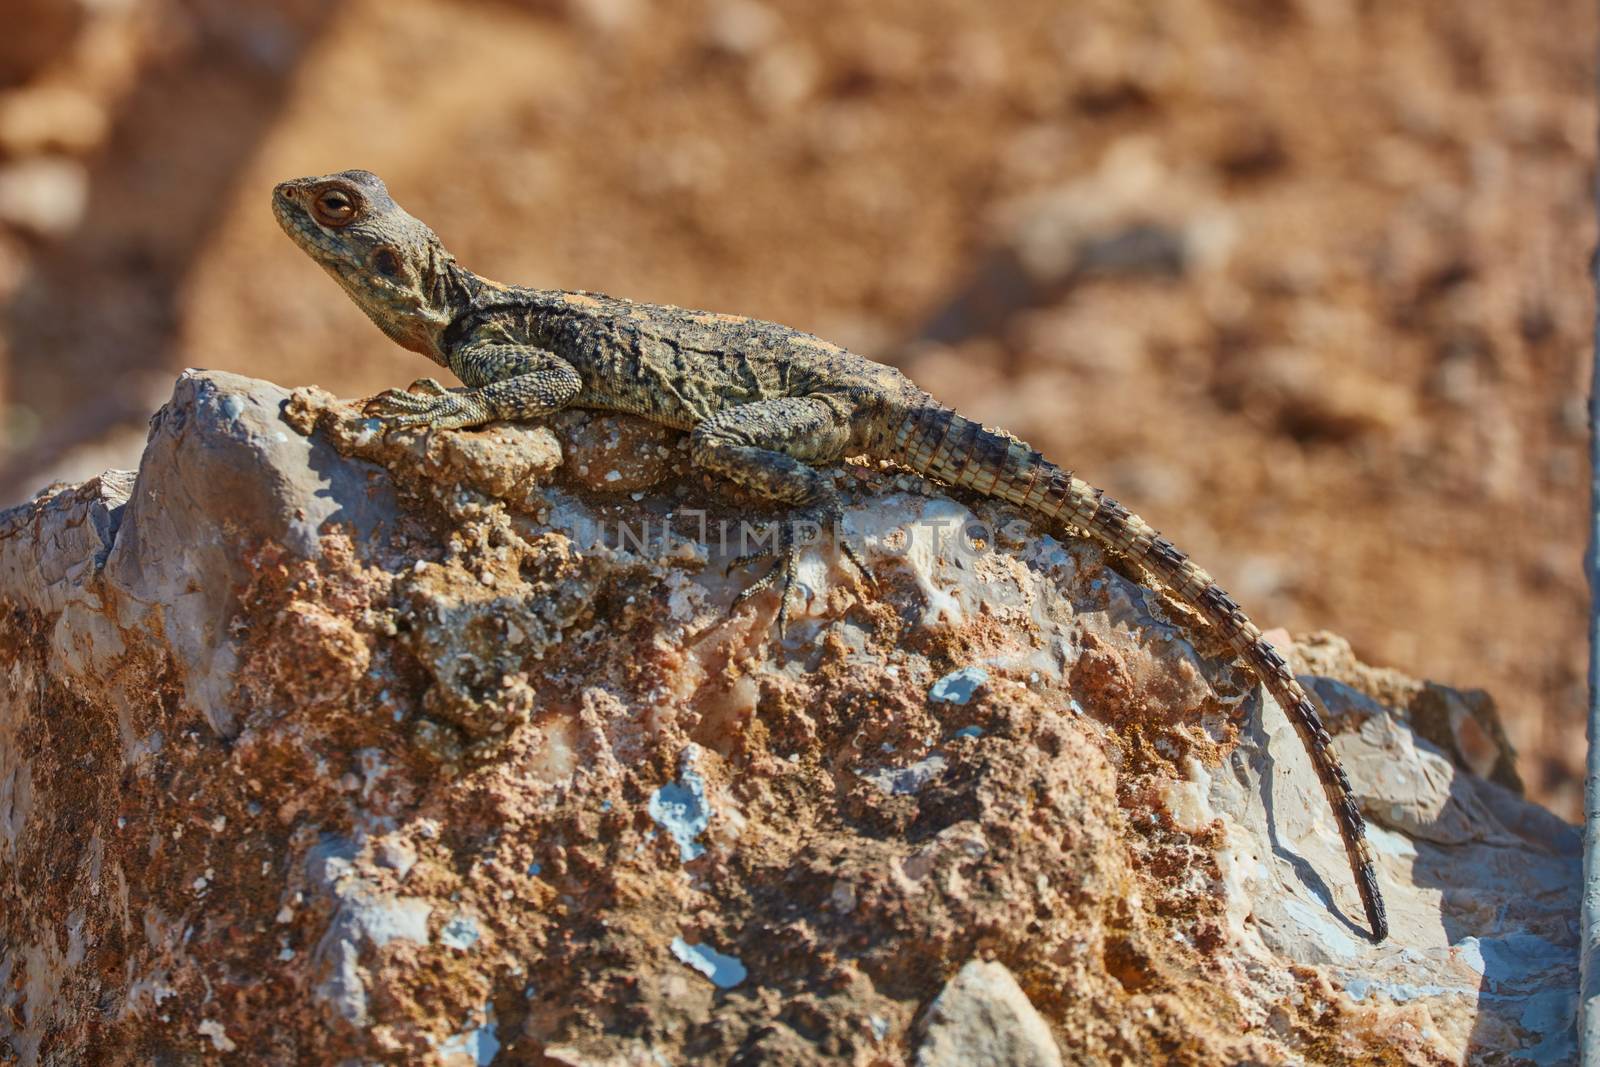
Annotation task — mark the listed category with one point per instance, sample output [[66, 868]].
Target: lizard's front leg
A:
[[768, 446], [504, 382]]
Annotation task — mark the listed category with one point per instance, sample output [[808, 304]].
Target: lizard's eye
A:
[[333, 208], [386, 263]]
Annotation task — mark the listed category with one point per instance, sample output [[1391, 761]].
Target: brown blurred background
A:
[[1303, 281]]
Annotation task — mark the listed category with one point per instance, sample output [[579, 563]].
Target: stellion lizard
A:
[[764, 406]]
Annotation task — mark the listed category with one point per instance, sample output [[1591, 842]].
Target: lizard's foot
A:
[[431, 407], [786, 566], [786, 563]]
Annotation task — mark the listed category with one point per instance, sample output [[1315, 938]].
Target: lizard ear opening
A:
[[386, 263]]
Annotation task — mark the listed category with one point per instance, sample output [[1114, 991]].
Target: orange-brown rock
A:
[[318, 745]]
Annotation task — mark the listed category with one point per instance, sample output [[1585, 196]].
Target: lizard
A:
[[764, 406]]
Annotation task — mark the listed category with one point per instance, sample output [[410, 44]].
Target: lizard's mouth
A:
[[288, 207]]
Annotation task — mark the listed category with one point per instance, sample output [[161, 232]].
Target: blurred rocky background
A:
[[1301, 280]]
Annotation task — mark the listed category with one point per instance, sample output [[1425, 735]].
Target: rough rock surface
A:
[[983, 1016], [321, 746]]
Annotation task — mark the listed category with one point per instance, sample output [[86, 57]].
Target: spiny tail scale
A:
[[936, 441]]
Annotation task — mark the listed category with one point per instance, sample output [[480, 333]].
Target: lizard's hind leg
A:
[[769, 446]]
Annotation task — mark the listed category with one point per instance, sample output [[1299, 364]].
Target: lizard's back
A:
[[676, 365]]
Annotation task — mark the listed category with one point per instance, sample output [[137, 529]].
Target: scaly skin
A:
[[764, 406]]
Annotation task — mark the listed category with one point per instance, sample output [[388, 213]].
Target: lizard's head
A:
[[392, 265]]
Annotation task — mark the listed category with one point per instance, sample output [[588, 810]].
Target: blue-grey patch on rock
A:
[[680, 807], [365, 915], [724, 971], [480, 1042], [957, 687], [461, 932], [907, 781]]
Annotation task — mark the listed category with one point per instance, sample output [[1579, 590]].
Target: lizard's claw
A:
[[416, 397], [786, 567], [855, 561], [427, 386], [436, 409]]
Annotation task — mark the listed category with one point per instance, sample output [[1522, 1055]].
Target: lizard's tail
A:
[[936, 441]]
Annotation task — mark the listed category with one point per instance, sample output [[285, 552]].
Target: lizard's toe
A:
[[783, 573], [749, 557], [407, 411], [394, 402], [856, 561], [786, 562], [761, 583], [421, 397]]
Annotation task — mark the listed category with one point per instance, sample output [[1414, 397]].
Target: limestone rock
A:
[[983, 1016], [324, 745]]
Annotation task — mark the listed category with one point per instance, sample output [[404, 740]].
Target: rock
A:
[[983, 1016], [1132, 218], [45, 197], [38, 33], [741, 28], [339, 746], [957, 687], [223, 478], [1289, 384], [54, 118], [782, 77], [496, 461], [607, 16], [617, 453], [1467, 727]]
